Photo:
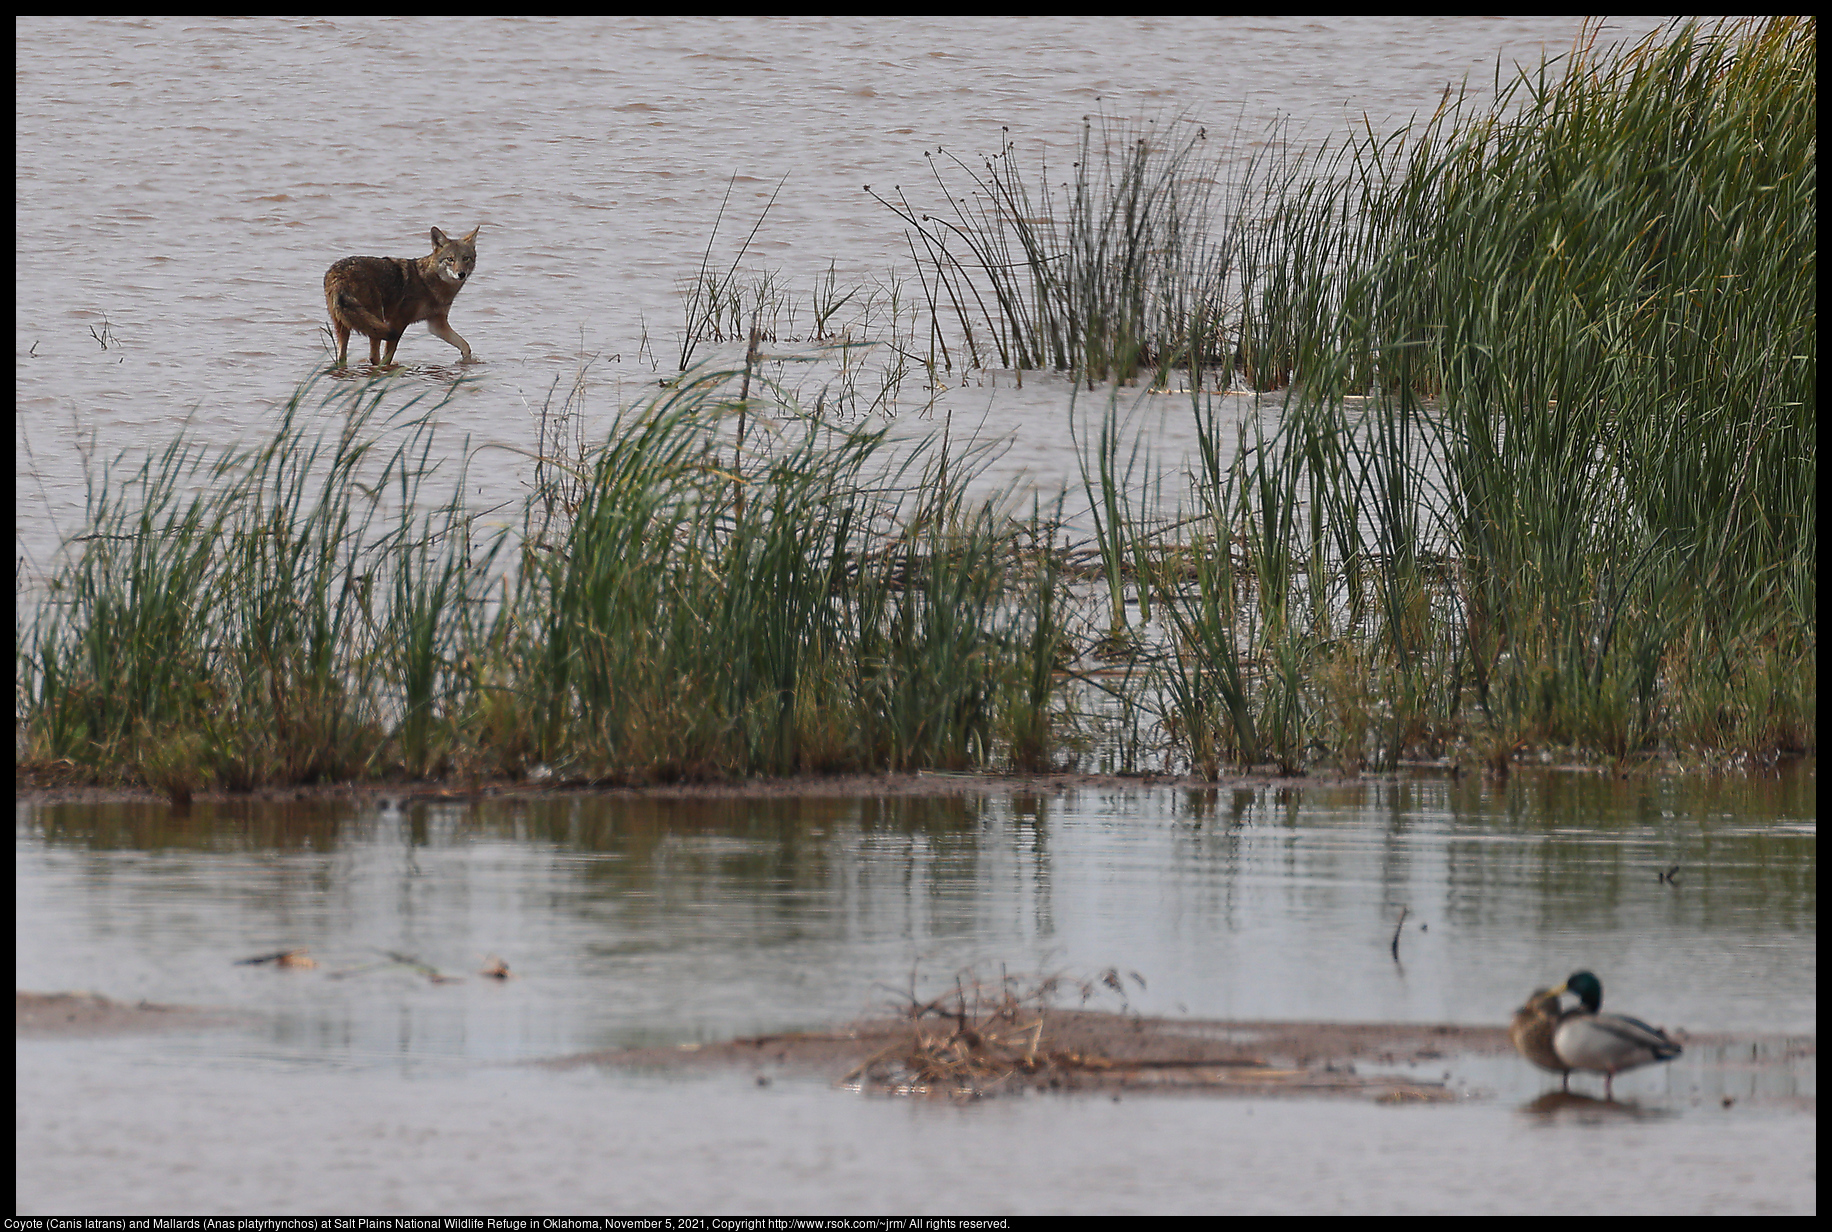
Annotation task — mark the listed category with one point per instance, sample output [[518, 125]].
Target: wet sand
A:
[[1001, 1054], [43, 788], [74, 1014], [1084, 1050]]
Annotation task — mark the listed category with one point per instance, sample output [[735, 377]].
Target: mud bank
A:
[[41, 789], [1082, 1050], [950, 1056], [70, 1014]]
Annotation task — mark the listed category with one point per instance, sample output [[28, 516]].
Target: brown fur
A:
[[381, 296]]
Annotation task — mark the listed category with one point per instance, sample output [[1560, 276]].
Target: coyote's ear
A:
[[439, 240], [472, 237]]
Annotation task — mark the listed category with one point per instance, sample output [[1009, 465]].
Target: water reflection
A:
[[636, 919], [630, 921]]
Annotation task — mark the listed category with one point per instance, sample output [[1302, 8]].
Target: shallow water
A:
[[183, 184], [538, 1143], [662, 921]]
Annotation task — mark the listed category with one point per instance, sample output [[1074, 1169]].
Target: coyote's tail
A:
[[353, 314]]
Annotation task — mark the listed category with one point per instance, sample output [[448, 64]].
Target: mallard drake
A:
[[1532, 1029], [1606, 1043]]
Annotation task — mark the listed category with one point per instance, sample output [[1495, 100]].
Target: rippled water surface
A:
[[181, 186], [677, 921]]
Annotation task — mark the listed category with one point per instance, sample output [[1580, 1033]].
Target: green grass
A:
[[667, 608], [238, 617], [1546, 470], [1583, 486], [1117, 273], [1545, 475]]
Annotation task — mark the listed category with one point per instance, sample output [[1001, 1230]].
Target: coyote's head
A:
[[454, 259]]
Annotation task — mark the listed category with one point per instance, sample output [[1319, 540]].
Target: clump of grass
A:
[[1545, 474], [1581, 500], [987, 1035], [816, 606], [279, 613], [1120, 272], [683, 601]]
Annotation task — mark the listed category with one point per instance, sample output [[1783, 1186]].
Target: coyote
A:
[[382, 296]]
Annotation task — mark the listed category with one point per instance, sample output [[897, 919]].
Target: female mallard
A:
[[1605, 1043], [1532, 1030]]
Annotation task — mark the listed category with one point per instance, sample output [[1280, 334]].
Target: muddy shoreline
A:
[[39, 789], [56, 783], [1089, 1050], [1003, 1054], [63, 1015]]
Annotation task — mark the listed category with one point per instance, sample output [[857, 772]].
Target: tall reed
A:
[[844, 608], [1106, 276], [284, 612], [1544, 473], [1581, 500], [830, 600]]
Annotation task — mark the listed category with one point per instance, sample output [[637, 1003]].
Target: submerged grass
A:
[[1545, 475], [676, 612], [1581, 498], [1546, 470], [1121, 271], [282, 613]]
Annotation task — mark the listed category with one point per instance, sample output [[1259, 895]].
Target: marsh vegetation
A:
[[1544, 475]]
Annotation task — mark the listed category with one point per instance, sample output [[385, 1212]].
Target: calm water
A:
[[180, 188], [656, 921], [182, 185]]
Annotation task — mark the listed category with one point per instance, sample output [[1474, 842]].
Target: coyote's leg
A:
[[437, 325]]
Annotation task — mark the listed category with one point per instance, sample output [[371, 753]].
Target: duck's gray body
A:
[[1584, 1038]]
